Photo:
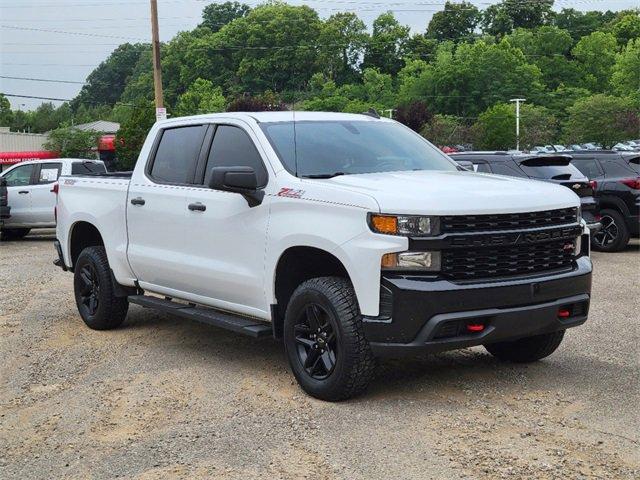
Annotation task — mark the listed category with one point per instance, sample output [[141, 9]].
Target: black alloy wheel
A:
[[608, 234], [316, 342], [90, 288], [95, 291], [614, 235]]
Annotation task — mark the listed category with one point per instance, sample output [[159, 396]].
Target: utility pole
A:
[[518, 100], [161, 112]]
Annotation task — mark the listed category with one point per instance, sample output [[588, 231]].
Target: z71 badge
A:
[[290, 192]]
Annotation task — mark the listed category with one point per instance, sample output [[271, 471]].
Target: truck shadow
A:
[[432, 377]]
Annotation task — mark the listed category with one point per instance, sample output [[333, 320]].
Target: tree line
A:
[[579, 71]]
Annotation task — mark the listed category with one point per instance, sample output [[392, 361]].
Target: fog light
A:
[[425, 261]]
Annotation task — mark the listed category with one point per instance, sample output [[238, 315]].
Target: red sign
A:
[[9, 158]]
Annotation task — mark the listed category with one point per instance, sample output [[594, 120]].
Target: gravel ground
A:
[[166, 398]]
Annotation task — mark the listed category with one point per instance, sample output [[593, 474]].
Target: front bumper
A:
[[421, 315]]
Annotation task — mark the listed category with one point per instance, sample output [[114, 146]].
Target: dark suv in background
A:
[[556, 168], [616, 180]]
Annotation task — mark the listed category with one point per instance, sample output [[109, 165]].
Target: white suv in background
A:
[[31, 193]]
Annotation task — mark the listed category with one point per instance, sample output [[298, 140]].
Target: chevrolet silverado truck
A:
[[349, 237]]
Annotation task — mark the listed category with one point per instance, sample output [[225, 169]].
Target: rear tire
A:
[[614, 235], [94, 289], [14, 233], [529, 349], [324, 340]]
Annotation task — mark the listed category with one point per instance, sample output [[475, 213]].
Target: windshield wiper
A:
[[324, 175]]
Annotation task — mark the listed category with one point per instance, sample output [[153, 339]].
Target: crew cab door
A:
[[43, 200], [19, 188], [226, 248], [159, 241]]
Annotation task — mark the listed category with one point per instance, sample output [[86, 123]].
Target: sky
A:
[[67, 39]]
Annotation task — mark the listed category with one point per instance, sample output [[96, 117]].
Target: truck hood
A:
[[453, 193]]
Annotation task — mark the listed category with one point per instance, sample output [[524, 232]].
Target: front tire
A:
[[324, 340], [614, 235], [14, 233], [529, 349], [94, 289]]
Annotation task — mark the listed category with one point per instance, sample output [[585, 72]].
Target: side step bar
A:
[[245, 325]]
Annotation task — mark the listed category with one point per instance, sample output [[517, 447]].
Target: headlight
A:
[[409, 225], [424, 261]]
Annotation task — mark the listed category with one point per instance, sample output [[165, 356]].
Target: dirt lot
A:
[[165, 398]]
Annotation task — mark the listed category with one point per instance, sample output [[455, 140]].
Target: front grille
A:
[[488, 262], [507, 221]]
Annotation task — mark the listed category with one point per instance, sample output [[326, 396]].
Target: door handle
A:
[[23, 192], [137, 201], [197, 207]]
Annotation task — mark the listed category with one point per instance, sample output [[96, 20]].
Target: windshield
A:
[[328, 148]]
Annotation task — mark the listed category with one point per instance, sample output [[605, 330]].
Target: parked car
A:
[[616, 180], [621, 147], [555, 168], [349, 236], [31, 194], [5, 210]]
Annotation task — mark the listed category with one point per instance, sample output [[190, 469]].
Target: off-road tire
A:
[[529, 349], [110, 310], [14, 233], [622, 237], [354, 364]]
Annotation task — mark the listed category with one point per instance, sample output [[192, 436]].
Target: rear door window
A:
[[588, 166], [177, 154], [634, 163], [617, 168], [510, 169], [482, 167], [232, 147], [49, 173], [20, 176], [84, 168]]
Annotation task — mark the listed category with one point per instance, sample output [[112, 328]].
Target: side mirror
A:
[[242, 180]]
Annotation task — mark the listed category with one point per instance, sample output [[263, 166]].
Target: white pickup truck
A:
[[348, 236]]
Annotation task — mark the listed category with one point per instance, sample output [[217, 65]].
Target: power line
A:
[[70, 33], [42, 80]]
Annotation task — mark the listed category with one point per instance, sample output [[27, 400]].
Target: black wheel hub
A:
[[608, 233], [89, 288], [316, 342]]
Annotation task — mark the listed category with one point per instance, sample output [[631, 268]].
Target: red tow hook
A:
[[475, 327], [564, 313]]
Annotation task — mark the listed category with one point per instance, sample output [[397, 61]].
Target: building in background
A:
[[106, 142], [17, 147]]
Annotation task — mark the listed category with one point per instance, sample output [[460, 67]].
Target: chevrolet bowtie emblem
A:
[[576, 186]]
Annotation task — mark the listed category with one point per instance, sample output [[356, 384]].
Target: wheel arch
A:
[[82, 234], [295, 265]]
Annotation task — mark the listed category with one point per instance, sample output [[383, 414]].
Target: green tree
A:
[[495, 127], [132, 134], [626, 27], [6, 115], [387, 45], [106, 82], [71, 142], [500, 19], [443, 130], [580, 24], [464, 80], [201, 97], [625, 78], [603, 119], [275, 47], [596, 55], [217, 15], [343, 39], [456, 22]]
